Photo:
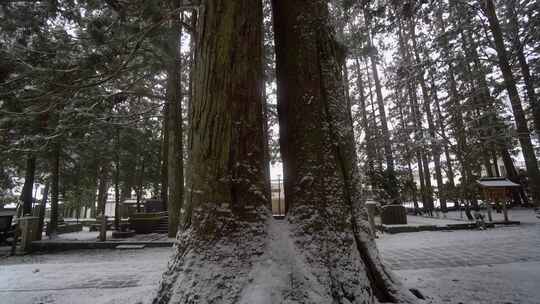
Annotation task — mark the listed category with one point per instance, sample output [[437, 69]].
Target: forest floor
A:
[[83, 276], [495, 266]]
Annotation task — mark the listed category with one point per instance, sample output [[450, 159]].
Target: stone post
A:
[[371, 206], [490, 218], [39, 212], [505, 211], [103, 229], [29, 227]]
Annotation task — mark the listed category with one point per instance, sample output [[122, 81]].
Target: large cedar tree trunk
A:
[[373, 124], [435, 150], [101, 200], [327, 217], [227, 187], [408, 154], [175, 154], [364, 122], [28, 187], [55, 189], [518, 195], [117, 199], [164, 173], [528, 79], [42, 209], [515, 100], [453, 95], [193, 47], [456, 111], [387, 143], [416, 117]]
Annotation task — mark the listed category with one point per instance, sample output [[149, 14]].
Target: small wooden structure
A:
[[497, 190], [393, 215], [6, 227]]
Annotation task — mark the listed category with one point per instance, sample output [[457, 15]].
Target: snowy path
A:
[[462, 248], [108, 276], [514, 283], [495, 266]]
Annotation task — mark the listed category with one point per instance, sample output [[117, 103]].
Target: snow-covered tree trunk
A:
[[226, 189], [327, 218], [415, 113], [393, 188], [55, 188], [406, 144], [101, 201], [427, 99], [140, 184], [27, 191], [418, 116], [117, 199], [373, 122], [186, 216], [164, 174], [364, 119], [519, 47], [175, 163], [42, 209], [453, 95]]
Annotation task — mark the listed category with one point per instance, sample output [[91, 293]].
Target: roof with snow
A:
[[496, 182]]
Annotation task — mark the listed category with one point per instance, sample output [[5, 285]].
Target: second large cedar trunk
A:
[[322, 186]]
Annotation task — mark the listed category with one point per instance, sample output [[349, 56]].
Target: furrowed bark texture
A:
[[322, 186], [226, 188]]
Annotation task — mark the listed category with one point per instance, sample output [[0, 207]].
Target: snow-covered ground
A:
[[495, 266], [91, 276], [514, 214], [513, 283], [83, 235]]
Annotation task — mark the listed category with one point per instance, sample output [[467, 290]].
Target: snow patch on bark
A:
[[281, 275]]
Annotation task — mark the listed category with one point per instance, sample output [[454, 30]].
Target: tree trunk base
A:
[[211, 268], [275, 262]]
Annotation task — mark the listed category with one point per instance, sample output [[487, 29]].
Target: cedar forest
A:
[[193, 102]]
